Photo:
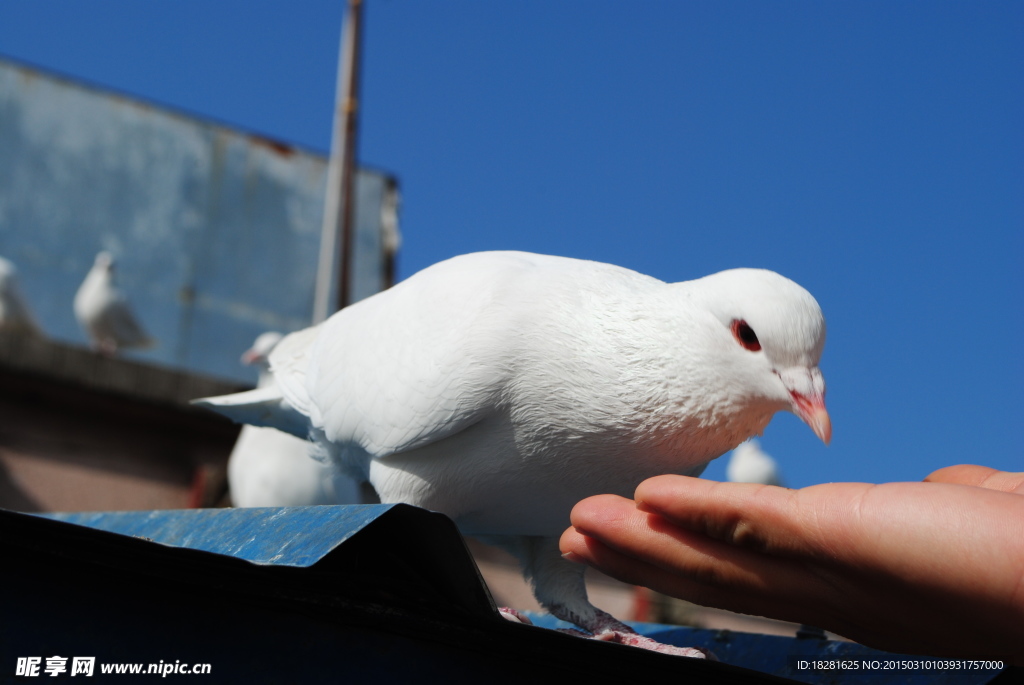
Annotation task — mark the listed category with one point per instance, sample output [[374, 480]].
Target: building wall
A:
[[216, 231], [83, 432]]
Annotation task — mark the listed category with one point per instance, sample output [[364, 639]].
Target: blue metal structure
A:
[[384, 593]]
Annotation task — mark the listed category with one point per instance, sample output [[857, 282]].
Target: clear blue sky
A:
[[871, 151]]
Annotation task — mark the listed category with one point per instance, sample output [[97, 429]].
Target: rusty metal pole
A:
[[334, 269]]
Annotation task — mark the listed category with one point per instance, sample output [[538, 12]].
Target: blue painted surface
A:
[[292, 536], [216, 231]]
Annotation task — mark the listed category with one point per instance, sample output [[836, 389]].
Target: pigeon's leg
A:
[[560, 587], [106, 347]]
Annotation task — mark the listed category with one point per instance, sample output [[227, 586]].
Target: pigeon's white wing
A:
[[122, 325], [423, 360], [289, 360], [15, 316]]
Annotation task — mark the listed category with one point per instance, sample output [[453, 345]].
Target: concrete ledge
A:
[[79, 366]]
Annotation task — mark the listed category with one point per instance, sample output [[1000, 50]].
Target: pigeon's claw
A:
[[636, 640], [607, 628]]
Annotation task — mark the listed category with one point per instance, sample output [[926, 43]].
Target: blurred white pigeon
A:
[[103, 312], [501, 388], [750, 464], [15, 317], [268, 468]]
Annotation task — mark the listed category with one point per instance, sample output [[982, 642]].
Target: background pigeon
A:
[[750, 464], [15, 316], [268, 468], [501, 388], [103, 312]]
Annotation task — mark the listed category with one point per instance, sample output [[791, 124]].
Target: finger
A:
[[980, 476], [641, 548], [772, 520], [636, 571]]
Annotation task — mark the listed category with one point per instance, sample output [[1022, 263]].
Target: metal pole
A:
[[333, 270]]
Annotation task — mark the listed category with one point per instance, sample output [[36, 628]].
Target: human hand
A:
[[932, 568]]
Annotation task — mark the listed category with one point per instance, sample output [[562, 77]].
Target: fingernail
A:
[[574, 558]]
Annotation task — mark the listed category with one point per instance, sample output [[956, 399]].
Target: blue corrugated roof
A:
[[382, 573], [292, 536]]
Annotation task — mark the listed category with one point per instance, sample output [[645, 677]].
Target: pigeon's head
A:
[[104, 262], [770, 333], [7, 273], [259, 353]]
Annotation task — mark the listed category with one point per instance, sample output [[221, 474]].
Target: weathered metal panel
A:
[[291, 536], [216, 231]]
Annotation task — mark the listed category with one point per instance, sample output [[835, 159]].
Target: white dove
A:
[[268, 468], [501, 388], [15, 316], [103, 312], [750, 464]]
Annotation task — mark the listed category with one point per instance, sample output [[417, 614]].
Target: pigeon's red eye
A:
[[745, 335]]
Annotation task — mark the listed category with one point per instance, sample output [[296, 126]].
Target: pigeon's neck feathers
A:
[[614, 353], [99, 286], [8, 273]]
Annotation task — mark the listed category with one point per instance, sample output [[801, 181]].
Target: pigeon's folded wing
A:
[[125, 328], [289, 361], [412, 365]]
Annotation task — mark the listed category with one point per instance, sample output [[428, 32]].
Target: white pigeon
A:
[[501, 388], [268, 468], [15, 317], [103, 312], [750, 464]]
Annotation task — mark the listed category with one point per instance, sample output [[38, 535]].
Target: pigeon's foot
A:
[[105, 348], [610, 629], [514, 615], [636, 640]]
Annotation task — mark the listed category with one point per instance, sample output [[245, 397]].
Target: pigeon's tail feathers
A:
[[259, 407]]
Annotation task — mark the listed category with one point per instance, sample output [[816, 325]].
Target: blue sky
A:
[[871, 151]]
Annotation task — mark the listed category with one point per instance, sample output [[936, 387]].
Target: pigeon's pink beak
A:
[[811, 411], [251, 357]]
